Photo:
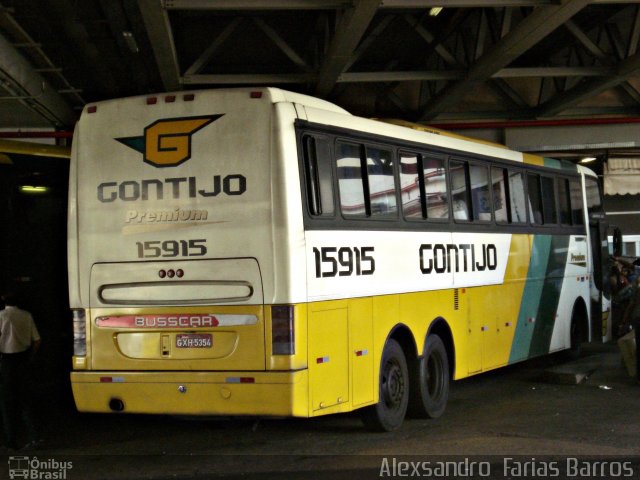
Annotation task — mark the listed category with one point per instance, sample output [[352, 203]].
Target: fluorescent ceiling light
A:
[[33, 189], [130, 40], [588, 160], [435, 11]]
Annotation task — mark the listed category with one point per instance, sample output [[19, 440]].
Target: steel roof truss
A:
[[349, 31], [156, 21]]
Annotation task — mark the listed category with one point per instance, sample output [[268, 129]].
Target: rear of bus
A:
[[179, 210]]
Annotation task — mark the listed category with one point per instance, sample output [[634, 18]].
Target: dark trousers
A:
[[636, 329], [15, 398]]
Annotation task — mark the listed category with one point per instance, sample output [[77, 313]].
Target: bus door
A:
[[599, 248], [598, 227]]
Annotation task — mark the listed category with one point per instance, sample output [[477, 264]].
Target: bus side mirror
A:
[[617, 242]]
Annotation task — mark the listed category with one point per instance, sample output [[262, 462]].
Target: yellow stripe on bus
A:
[[533, 159]]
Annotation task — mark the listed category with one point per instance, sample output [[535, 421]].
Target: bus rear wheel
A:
[[430, 380], [388, 414], [575, 335]]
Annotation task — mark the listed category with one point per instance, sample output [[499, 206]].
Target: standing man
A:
[[19, 341], [632, 316]]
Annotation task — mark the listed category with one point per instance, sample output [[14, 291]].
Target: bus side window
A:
[[411, 186], [576, 202], [535, 201], [516, 197], [564, 205], [500, 204], [350, 181], [317, 160], [549, 201], [594, 200], [459, 190], [436, 187], [423, 186], [480, 194], [382, 182]]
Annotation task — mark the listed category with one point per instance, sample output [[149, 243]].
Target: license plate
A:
[[194, 340]]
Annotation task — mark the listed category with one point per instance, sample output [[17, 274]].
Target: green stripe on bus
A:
[[531, 296], [560, 164], [546, 317], [552, 163]]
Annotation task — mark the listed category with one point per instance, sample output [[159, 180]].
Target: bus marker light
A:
[[162, 273], [282, 330], [360, 353], [189, 97], [152, 100], [322, 360], [171, 273], [111, 379], [170, 98], [240, 380], [92, 109], [179, 273], [79, 333], [256, 95]]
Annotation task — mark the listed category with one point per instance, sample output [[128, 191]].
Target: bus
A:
[[262, 252]]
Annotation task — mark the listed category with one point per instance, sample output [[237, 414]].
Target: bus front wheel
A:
[[430, 380], [388, 414]]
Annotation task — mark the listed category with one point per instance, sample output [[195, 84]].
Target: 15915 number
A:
[[344, 261], [172, 248]]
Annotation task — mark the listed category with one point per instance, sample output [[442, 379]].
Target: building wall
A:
[[624, 212]]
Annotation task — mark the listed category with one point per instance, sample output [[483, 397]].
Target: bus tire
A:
[[575, 336], [388, 414], [430, 380]]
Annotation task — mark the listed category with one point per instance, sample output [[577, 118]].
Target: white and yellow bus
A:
[[261, 252]]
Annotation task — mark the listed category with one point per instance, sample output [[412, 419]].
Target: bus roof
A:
[[276, 95]]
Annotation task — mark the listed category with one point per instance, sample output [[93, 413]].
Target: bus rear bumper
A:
[[193, 393]]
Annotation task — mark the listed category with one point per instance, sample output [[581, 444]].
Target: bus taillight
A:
[[79, 333], [282, 332]]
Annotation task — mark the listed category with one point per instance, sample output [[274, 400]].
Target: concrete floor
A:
[[516, 411]]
